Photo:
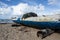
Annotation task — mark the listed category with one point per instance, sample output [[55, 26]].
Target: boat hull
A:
[[48, 24]]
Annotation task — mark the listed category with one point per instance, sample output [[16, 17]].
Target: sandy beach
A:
[[7, 32]]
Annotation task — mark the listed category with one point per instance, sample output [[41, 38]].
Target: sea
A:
[[6, 21]]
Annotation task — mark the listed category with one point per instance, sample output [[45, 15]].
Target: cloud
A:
[[53, 2], [24, 8], [31, 2], [56, 11], [3, 5], [20, 9], [5, 10], [53, 12]]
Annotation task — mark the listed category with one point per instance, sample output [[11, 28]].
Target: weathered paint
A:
[[40, 19]]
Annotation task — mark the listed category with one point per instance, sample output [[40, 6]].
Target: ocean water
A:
[[6, 21]]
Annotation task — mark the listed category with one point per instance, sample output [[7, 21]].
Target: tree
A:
[[30, 14]]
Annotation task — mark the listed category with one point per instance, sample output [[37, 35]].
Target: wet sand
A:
[[7, 32]]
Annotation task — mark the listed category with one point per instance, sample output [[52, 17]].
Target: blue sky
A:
[[9, 8], [30, 2]]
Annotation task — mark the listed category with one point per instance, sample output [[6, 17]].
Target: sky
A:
[[10, 8]]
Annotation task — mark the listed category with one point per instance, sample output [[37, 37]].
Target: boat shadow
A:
[[57, 31]]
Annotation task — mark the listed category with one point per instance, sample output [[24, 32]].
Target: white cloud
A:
[[3, 5], [54, 2], [56, 11], [5, 10], [19, 9], [24, 8], [53, 12]]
